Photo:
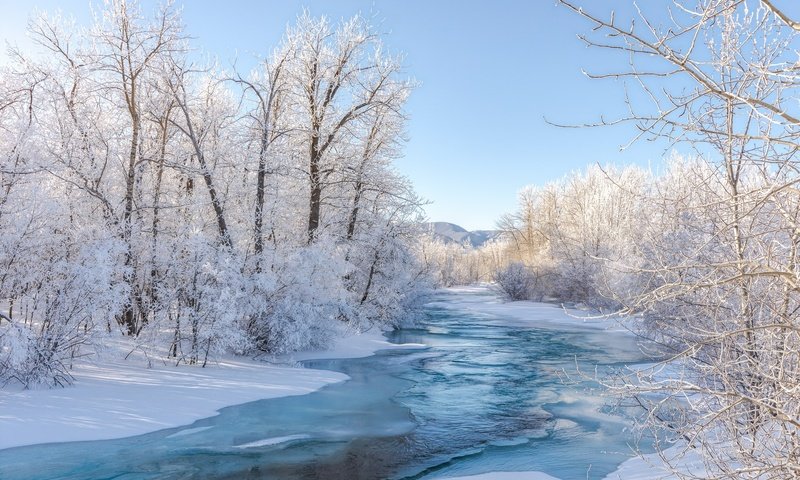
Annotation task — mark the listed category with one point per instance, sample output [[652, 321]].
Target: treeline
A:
[[195, 209], [568, 241]]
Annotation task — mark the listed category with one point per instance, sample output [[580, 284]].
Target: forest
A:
[[194, 208]]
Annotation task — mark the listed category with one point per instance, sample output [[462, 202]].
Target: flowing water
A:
[[483, 397]]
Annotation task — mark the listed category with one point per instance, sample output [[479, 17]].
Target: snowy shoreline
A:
[[483, 299]]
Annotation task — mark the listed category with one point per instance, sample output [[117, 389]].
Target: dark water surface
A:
[[483, 397]]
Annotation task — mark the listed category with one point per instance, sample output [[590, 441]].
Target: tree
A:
[[516, 281], [174, 199], [337, 76], [131, 51], [571, 231], [719, 260], [202, 122], [268, 89]]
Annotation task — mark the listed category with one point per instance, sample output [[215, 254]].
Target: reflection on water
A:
[[483, 397]]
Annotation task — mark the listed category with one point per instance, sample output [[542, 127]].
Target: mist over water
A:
[[483, 397]]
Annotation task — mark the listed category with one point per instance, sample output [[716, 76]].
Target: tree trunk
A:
[[351, 225], [316, 190], [369, 278], [129, 313], [222, 226], [258, 224]]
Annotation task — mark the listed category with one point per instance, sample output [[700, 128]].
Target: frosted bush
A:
[[516, 281], [308, 301], [64, 314]]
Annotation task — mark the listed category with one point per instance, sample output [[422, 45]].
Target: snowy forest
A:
[[195, 208]]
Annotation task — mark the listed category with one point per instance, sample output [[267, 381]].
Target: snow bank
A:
[[483, 299], [114, 398], [652, 467], [353, 346]]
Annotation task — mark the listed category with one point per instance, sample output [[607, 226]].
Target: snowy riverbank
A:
[[114, 398], [483, 299]]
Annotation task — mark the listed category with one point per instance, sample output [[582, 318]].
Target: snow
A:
[[350, 346], [114, 398], [652, 467], [483, 299]]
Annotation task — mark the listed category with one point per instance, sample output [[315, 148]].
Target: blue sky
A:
[[490, 73]]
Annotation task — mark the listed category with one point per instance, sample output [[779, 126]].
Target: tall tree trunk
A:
[[222, 225], [129, 313], [258, 224], [351, 224], [316, 189], [151, 290]]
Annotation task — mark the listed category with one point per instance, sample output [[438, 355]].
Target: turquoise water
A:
[[483, 397]]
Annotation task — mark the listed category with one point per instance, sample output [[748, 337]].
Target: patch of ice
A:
[[188, 431], [510, 442], [563, 424], [273, 441]]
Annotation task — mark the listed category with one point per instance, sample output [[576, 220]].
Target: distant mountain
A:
[[452, 233]]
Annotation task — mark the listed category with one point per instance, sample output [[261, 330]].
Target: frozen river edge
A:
[[114, 398]]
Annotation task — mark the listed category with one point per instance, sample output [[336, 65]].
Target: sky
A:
[[494, 76]]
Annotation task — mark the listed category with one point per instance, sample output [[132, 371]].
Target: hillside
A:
[[452, 233]]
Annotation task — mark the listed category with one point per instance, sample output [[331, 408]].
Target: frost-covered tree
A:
[[338, 76], [197, 211], [572, 232], [718, 252], [516, 281]]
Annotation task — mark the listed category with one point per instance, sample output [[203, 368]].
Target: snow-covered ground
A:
[[483, 299], [118, 398], [652, 467]]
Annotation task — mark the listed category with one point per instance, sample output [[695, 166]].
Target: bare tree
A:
[[719, 259], [269, 88], [201, 124], [338, 76]]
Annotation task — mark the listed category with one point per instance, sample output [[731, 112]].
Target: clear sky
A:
[[491, 72]]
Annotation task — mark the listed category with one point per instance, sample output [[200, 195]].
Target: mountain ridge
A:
[[451, 233]]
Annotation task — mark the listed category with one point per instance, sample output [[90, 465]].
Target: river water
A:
[[482, 397]]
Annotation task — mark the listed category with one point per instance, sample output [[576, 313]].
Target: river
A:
[[483, 396]]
